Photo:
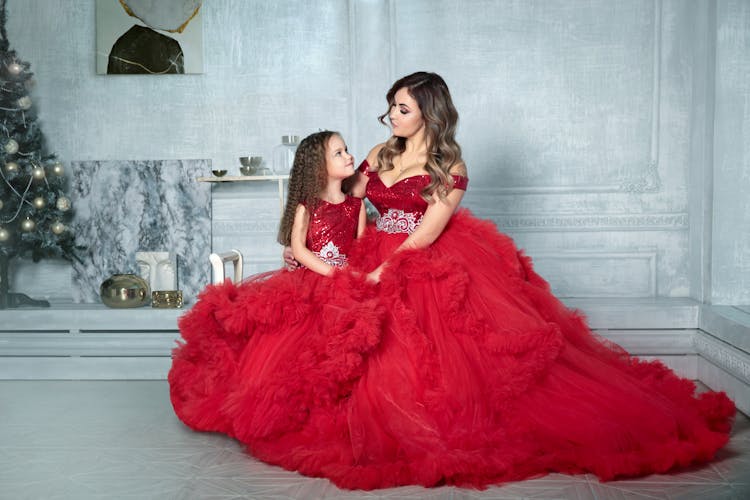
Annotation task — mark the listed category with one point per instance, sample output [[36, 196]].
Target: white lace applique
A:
[[331, 255], [398, 221]]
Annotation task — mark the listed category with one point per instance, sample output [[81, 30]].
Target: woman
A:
[[481, 374]]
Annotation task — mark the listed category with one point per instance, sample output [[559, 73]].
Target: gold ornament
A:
[[1, 204], [11, 147], [4, 234], [38, 173], [63, 204], [24, 102], [28, 225], [15, 68], [166, 299], [57, 168], [11, 166], [39, 203], [58, 227]]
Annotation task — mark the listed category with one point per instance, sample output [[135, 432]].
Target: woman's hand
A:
[[374, 277], [289, 260]]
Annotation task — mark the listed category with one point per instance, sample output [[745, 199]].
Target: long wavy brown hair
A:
[[440, 118], [307, 180]]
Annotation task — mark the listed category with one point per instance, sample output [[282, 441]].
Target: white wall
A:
[[731, 208], [585, 124]]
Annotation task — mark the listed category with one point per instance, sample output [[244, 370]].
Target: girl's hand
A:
[[289, 260]]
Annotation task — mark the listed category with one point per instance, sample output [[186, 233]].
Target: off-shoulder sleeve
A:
[[460, 182]]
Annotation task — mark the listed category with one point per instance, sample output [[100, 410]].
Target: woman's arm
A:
[[358, 186], [434, 220], [302, 254]]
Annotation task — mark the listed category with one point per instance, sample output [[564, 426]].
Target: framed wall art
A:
[[149, 37]]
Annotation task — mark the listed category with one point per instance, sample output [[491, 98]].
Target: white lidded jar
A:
[[283, 154]]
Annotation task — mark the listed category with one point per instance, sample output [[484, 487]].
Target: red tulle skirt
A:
[[460, 367]]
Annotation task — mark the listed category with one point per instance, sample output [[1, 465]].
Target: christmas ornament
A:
[[39, 203], [4, 234], [11, 147], [1, 204], [57, 168], [124, 291], [28, 225], [63, 204], [57, 227], [37, 172], [11, 166], [15, 68], [24, 102]]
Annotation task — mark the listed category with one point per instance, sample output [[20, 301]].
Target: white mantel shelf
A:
[[252, 178], [65, 316], [243, 178]]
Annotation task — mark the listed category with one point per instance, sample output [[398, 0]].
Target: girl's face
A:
[[405, 115], [339, 163]]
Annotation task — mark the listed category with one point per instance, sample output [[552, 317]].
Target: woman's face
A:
[[405, 115], [339, 163]]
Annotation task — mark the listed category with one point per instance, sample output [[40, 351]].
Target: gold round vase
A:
[[123, 291]]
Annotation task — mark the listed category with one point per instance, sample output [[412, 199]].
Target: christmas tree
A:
[[34, 209]]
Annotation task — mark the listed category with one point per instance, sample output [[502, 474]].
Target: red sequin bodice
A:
[[401, 206], [332, 229]]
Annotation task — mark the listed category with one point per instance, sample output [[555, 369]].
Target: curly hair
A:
[[440, 118], [307, 180]]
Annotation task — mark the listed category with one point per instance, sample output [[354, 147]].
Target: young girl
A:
[[256, 358], [320, 221]]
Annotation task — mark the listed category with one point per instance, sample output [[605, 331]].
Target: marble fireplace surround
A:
[[124, 207]]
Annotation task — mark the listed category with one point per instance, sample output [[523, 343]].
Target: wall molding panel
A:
[[637, 179], [599, 274]]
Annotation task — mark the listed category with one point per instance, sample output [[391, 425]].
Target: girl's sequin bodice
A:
[[401, 206], [332, 230]]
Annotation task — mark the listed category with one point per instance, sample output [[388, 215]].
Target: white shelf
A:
[[252, 178], [66, 317], [243, 178]]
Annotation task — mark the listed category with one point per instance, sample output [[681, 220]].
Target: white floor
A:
[[120, 439]]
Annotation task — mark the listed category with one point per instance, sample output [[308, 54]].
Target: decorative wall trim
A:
[[723, 355], [512, 223], [648, 179], [594, 222]]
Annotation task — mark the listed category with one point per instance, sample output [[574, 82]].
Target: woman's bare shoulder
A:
[[459, 169]]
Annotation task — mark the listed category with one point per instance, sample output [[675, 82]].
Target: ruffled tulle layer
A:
[[460, 367]]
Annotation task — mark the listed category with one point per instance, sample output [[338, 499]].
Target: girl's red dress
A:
[[460, 367]]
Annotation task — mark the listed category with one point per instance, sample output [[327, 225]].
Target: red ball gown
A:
[[460, 367]]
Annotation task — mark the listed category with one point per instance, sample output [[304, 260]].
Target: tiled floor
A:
[[86, 439]]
